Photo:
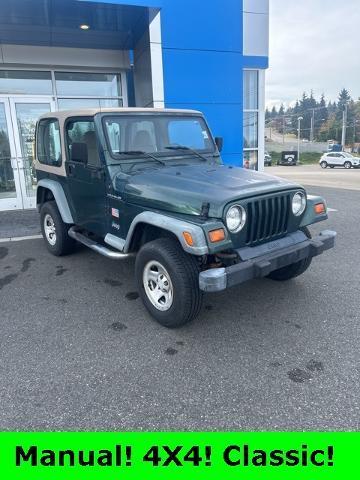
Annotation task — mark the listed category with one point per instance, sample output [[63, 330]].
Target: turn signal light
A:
[[320, 209], [217, 235], [188, 239]]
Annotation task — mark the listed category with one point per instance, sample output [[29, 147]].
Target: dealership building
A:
[[208, 55]]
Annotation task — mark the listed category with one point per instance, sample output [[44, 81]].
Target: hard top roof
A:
[[90, 112]]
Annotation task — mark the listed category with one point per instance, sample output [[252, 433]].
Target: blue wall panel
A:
[[203, 62], [202, 76]]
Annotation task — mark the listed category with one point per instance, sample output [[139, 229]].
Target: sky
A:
[[314, 44]]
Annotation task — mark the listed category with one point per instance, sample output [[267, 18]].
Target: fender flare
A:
[[60, 199], [172, 225]]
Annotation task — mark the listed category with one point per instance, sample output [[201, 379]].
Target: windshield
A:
[[157, 135]]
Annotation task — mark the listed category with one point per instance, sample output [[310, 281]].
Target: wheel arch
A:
[[145, 232], [48, 190], [151, 224]]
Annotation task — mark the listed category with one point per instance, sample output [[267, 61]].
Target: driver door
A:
[[85, 175]]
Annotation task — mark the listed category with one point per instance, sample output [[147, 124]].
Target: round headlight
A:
[[236, 218], [298, 204]]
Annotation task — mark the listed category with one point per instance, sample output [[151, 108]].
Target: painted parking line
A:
[[20, 239], [332, 210]]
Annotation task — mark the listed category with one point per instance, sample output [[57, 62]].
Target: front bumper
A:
[[268, 258]]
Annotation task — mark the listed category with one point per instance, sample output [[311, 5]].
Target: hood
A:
[[184, 189]]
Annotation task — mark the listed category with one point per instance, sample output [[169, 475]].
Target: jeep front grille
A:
[[268, 218]]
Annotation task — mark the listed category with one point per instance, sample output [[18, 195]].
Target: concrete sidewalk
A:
[[19, 223]]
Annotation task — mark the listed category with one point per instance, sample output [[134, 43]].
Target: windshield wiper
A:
[[183, 147], [139, 152]]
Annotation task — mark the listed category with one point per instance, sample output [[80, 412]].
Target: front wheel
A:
[[347, 165], [168, 282], [55, 231], [323, 164], [294, 270]]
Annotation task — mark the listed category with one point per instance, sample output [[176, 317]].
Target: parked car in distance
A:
[[288, 158], [339, 159], [267, 160]]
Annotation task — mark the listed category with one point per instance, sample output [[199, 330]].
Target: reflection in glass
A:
[[27, 115], [88, 84], [251, 90], [75, 103], [7, 183], [251, 160], [250, 130], [25, 82]]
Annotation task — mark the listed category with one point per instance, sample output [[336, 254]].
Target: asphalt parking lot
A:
[[79, 352], [314, 175]]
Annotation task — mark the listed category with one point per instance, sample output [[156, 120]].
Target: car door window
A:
[[83, 131], [49, 143]]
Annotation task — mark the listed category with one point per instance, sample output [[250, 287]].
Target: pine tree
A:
[[344, 97]]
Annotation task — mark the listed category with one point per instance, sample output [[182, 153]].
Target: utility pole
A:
[[343, 137], [299, 132], [312, 135], [283, 129]]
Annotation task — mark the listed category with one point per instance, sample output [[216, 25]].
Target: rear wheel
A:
[[294, 270], [55, 231], [347, 165], [168, 282], [323, 164]]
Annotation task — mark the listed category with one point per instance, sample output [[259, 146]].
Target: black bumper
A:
[[219, 279]]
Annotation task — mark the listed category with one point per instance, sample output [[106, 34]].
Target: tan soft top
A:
[[90, 112]]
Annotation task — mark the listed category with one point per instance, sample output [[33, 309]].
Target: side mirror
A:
[[219, 143], [79, 153]]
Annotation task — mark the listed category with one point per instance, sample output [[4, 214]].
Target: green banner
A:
[[130, 456]]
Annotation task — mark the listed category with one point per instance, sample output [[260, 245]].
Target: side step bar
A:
[[97, 247]]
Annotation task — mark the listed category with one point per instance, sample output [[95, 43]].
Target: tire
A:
[[294, 270], [324, 164], [58, 242], [174, 272], [347, 165], [332, 166]]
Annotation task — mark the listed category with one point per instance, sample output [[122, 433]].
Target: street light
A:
[[300, 119]]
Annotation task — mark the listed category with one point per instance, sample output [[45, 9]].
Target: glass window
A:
[[75, 103], [250, 130], [142, 136], [251, 89], [88, 84], [251, 160], [25, 82], [188, 132], [116, 135], [158, 134], [49, 143], [83, 131], [7, 182]]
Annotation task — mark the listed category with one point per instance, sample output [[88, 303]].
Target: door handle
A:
[[71, 170]]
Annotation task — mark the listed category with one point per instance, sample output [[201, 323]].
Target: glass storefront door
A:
[[25, 113], [24, 96], [10, 197], [18, 117]]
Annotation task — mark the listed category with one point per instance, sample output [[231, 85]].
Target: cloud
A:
[[314, 44]]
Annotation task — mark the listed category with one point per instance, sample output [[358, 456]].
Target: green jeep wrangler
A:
[[150, 183]]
